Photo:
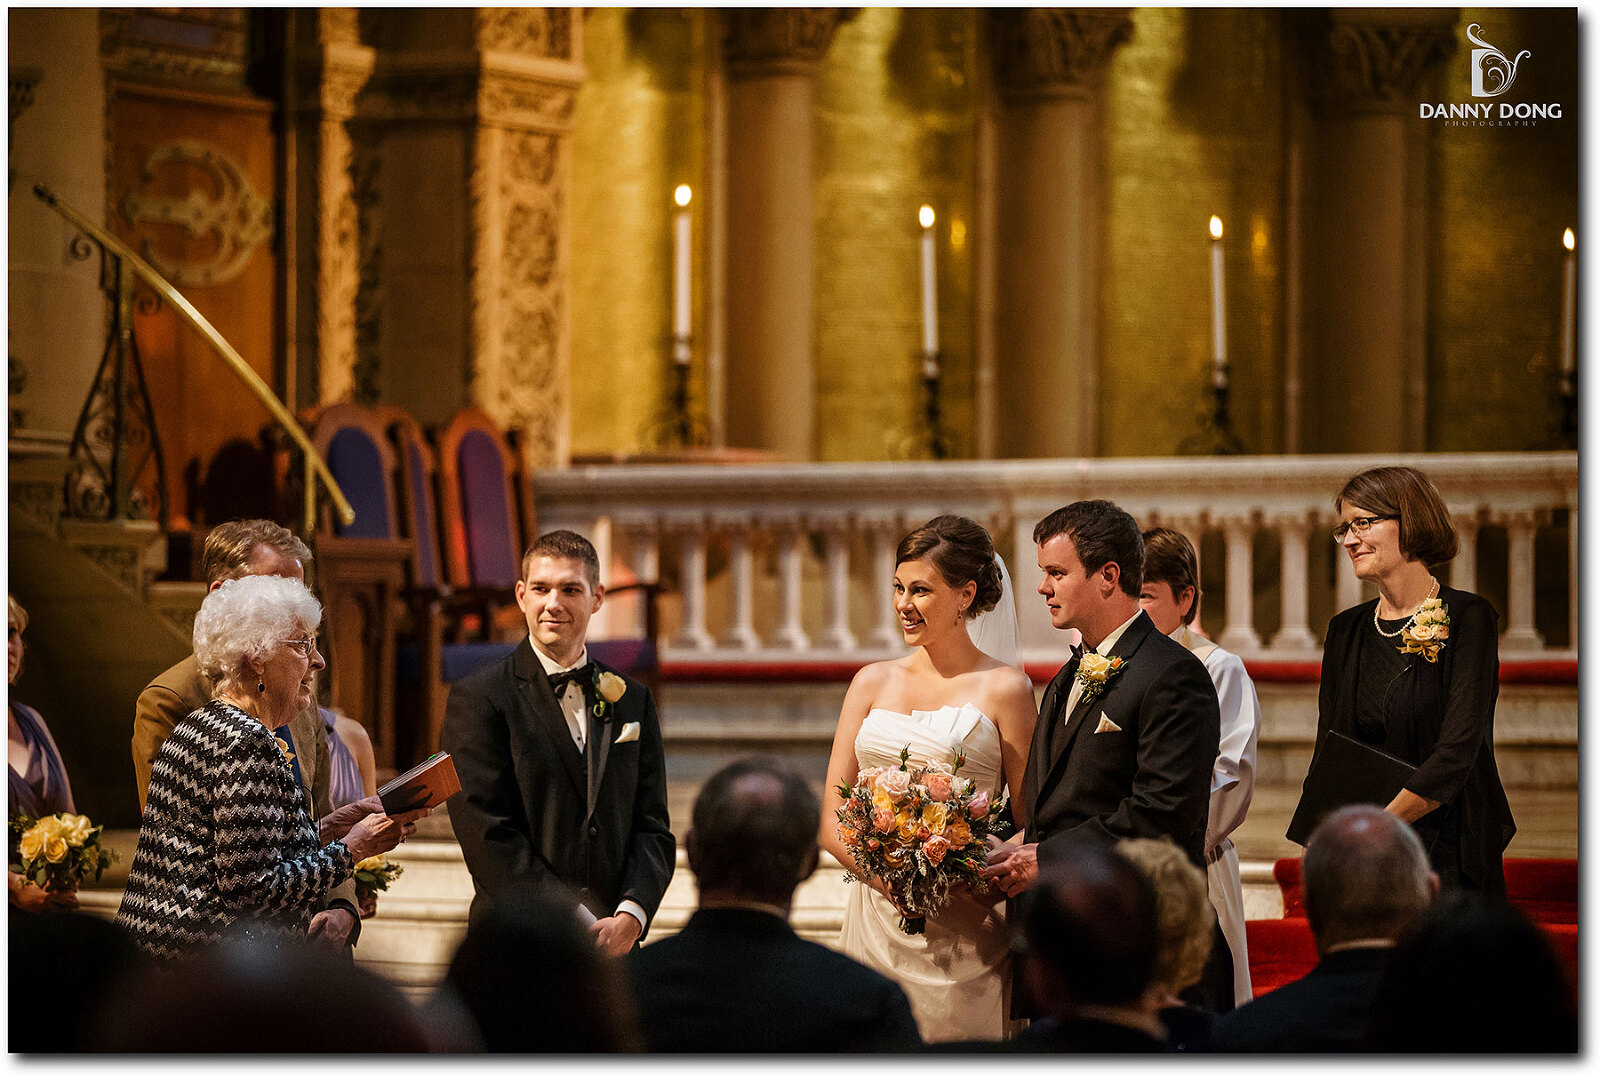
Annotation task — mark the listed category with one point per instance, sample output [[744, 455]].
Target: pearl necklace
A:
[[1399, 631]]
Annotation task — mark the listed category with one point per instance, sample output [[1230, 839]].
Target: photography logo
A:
[[1492, 73]]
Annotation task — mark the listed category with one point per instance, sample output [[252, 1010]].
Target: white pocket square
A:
[[629, 733], [1107, 725]]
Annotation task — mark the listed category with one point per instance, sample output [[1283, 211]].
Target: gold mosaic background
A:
[[640, 130], [1193, 125], [1504, 194], [896, 118], [1196, 114]]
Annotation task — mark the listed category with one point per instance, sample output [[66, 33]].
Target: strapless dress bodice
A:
[[934, 736]]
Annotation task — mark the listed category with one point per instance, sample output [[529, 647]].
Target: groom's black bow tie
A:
[[560, 680], [1077, 653]]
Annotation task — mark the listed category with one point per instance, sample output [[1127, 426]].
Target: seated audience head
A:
[[1473, 975], [66, 967], [1170, 592], [244, 547], [1366, 877], [753, 833], [1089, 932], [251, 996], [256, 638], [1183, 912], [16, 624], [532, 980]]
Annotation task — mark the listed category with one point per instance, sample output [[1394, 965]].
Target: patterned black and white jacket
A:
[[226, 842]]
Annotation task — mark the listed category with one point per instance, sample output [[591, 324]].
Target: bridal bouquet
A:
[[920, 829], [58, 851]]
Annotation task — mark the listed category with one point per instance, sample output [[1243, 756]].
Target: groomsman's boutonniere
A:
[[609, 687], [1427, 631], [1095, 673]]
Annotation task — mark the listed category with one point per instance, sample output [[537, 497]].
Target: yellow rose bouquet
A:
[[374, 874], [919, 829], [57, 852]]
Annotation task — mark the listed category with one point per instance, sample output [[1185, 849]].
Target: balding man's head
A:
[[754, 832], [1365, 876], [1090, 931]]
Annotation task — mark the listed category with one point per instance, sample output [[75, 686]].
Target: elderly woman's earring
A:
[[261, 686]]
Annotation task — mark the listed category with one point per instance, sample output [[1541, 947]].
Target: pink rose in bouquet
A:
[[939, 786]]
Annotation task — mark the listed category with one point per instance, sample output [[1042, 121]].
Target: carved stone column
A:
[[771, 59], [468, 297], [1365, 265], [330, 69], [1049, 64]]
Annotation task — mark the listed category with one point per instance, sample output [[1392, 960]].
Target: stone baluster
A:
[[1520, 632], [837, 635], [885, 621], [1295, 633], [741, 634], [692, 580], [1239, 635], [1464, 568], [644, 561], [791, 633]]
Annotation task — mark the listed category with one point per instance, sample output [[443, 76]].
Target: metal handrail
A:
[[316, 466]]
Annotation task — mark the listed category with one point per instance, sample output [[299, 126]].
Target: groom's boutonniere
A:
[[1095, 673], [1427, 631], [609, 687]]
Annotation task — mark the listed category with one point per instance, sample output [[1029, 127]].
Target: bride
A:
[[947, 695]]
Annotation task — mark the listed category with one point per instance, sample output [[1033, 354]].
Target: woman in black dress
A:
[[1415, 672]]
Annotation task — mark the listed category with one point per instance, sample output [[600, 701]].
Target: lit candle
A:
[[680, 276], [930, 302], [1219, 329], [1569, 297]]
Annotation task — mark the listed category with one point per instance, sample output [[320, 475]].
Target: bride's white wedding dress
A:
[[957, 972]]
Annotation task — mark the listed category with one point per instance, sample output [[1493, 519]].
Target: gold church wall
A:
[[1503, 195], [895, 129], [639, 131], [1193, 125]]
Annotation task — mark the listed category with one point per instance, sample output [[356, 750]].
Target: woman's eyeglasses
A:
[[307, 646], [1361, 525]]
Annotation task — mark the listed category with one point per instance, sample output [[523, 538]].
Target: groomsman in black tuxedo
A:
[[1129, 728], [562, 771]]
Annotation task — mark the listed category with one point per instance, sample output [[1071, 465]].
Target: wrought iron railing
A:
[[115, 439]]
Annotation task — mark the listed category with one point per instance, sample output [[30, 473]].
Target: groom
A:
[[1129, 728], [562, 771]]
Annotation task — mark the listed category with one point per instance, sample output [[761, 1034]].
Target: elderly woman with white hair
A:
[[227, 841]]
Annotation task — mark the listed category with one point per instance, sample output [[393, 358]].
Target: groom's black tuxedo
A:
[[1152, 777], [533, 808]]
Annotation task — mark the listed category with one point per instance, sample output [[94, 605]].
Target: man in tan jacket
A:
[[233, 550]]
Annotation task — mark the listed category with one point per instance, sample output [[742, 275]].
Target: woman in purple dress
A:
[[39, 784]]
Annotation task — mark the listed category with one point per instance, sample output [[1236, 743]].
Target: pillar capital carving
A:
[[1363, 60], [1055, 52], [527, 31], [778, 41]]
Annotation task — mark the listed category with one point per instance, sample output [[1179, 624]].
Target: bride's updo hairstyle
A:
[[962, 551]]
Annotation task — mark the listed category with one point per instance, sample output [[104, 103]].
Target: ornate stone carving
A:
[[773, 41], [518, 290], [526, 31], [1055, 52], [534, 106], [1366, 62], [238, 218]]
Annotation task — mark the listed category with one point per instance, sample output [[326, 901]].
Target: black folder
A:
[[1345, 771]]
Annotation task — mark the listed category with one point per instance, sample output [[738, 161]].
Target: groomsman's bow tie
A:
[[1077, 653], [560, 680]]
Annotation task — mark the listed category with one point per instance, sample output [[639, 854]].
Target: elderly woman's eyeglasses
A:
[[1361, 525], [306, 646]]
